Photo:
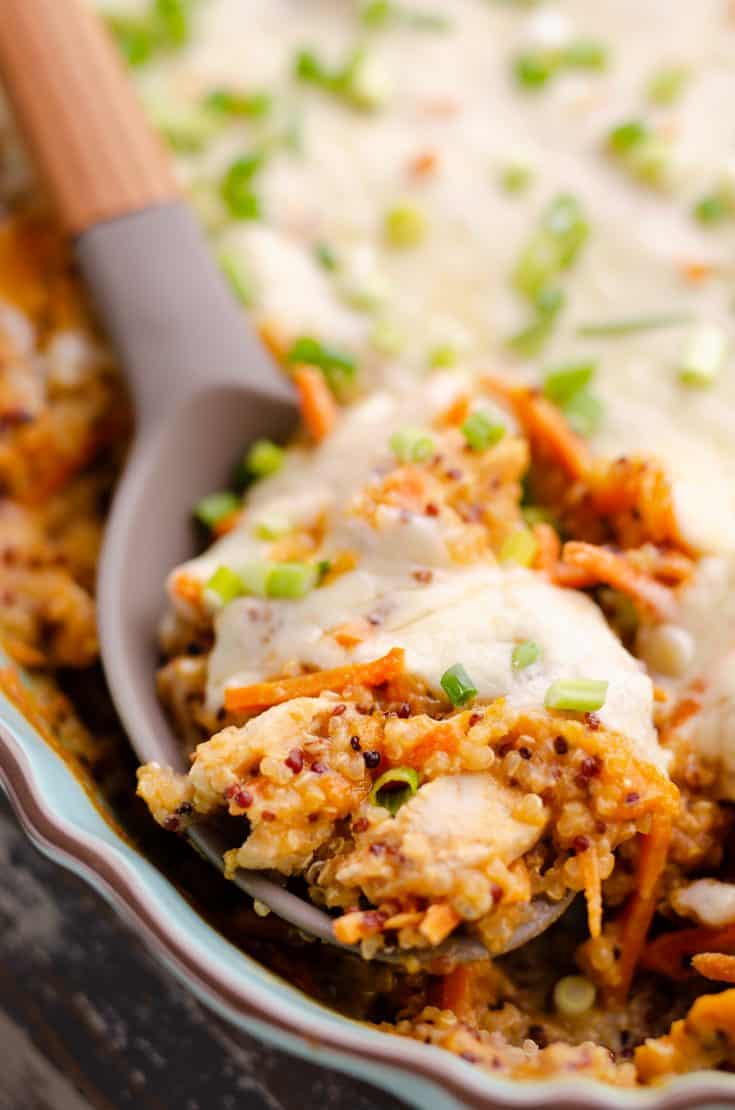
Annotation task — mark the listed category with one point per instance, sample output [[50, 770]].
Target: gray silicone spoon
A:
[[202, 384]]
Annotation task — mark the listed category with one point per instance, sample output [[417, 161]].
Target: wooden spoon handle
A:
[[79, 114]]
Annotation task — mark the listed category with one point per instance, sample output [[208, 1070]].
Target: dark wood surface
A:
[[87, 1020]]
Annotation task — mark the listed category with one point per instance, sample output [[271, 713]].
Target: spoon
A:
[[202, 384]]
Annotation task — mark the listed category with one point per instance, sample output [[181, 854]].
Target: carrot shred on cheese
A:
[[715, 965], [548, 548], [667, 954], [352, 633], [227, 523], [187, 588], [603, 565], [640, 909], [423, 164], [356, 926], [545, 426], [318, 407], [263, 694], [273, 339], [590, 865], [462, 989]]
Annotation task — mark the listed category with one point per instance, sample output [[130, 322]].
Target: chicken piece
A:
[[454, 840]]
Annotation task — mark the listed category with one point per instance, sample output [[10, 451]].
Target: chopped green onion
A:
[[536, 514], [703, 357], [386, 338], [356, 81], [325, 256], [236, 271], [458, 686], [574, 995], [666, 86], [404, 226], [519, 547], [584, 412], [525, 654], [254, 577], [272, 527], [553, 247], [339, 367], [237, 190], [562, 382], [291, 580], [225, 584], [529, 340], [215, 507], [624, 137], [394, 788], [174, 21], [585, 54], [482, 430], [443, 356], [381, 13], [713, 208], [631, 324], [534, 68], [515, 177], [579, 695], [411, 445], [264, 458], [187, 130], [230, 102], [136, 38]]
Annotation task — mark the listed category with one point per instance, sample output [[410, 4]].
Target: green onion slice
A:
[[226, 584], [291, 580], [404, 225], [519, 547], [215, 507], [411, 445], [264, 458], [562, 382], [457, 685], [579, 695], [394, 788], [703, 357], [525, 654], [629, 325], [482, 430]]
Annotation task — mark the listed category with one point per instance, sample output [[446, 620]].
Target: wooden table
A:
[[88, 1020]]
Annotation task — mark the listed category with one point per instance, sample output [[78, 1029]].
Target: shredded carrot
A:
[[613, 569], [188, 588], [439, 921], [548, 548], [342, 562], [23, 654], [227, 523], [696, 272], [273, 339], [465, 989], [318, 407], [352, 633], [715, 965], [456, 414], [545, 426], [263, 694], [659, 694], [590, 864], [667, 953], [443, 738], [403, 920], [640, 909], [424, 164]]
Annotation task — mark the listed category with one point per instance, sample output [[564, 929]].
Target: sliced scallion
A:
[[237, 188], [629, 325], [394, 788], [562, 382], [519, 547], [225, 584], [339, 367], [232, 102], [482, 430], [272, 527], [703, 358], [238, 276], [291, 580], [411, 445], [443, 356], [578, 695], [574, 995], [264, 458], [254, 577], [525, 654], [215, 507], [666, 85], [404, 225], [584, 411], [458, 686]]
